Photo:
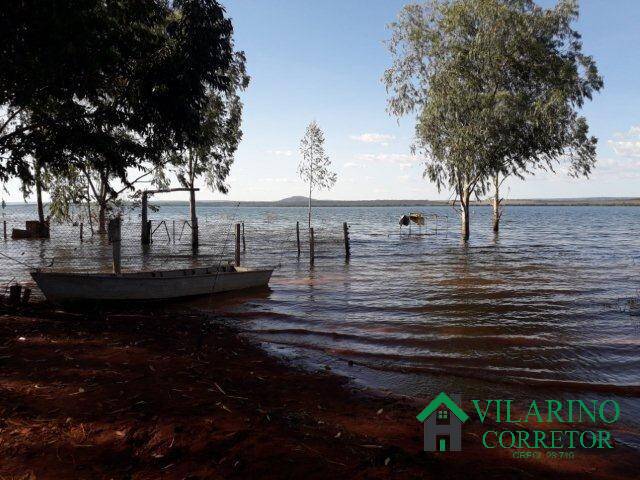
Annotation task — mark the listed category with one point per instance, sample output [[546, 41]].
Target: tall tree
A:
[[314, 165], [211, 156], [496, 86], [113, 79]]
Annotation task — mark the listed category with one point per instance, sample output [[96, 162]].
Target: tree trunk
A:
[[194, 219], [89, 206], [496, 203], [102, 217], [465, 195], [309, 205], [39, 194]]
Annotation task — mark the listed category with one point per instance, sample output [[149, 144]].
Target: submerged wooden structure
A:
[[34, 229]]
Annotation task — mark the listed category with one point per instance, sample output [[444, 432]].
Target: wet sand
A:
[[150, 395]]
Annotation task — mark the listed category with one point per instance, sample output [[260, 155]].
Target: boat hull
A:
[[62, 287]]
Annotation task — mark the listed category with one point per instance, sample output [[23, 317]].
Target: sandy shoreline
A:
[[148, 395]]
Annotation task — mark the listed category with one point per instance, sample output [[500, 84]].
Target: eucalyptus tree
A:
[[211, 157], [314, 167], [496, 86]]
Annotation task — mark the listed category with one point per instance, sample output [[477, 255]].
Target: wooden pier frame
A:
[[145, 227]]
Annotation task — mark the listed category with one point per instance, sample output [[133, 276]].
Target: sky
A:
[[323, 60]]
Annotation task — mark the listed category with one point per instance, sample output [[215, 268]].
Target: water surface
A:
[[541, 309]]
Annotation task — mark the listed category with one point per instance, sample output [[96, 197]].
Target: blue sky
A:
[[323, 60]]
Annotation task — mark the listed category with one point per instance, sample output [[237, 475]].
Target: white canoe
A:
[[62, 287]]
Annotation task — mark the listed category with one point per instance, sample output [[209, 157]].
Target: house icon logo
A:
[[443, 420]]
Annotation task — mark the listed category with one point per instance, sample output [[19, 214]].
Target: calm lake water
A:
[[542, 310]]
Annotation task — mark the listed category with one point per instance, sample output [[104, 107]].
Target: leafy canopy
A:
[[110, 80], [496, 85], [211, 156]]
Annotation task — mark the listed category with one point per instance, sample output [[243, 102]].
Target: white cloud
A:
[[401, 159], [616, 168], [381, 138], [351, 165], [276, 180], [627, 144], [626, 148], [280, 153]]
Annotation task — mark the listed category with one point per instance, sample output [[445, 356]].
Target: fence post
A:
[[114, 237], [312, 247], [244, 244], [347, 248], [237, 244], [298, 236], [145, 234], [26, 295], [15, 291], [81, 228]]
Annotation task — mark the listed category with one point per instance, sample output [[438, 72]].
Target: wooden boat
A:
[[63, 287]]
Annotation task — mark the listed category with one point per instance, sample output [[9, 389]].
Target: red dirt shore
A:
[[150, 395]]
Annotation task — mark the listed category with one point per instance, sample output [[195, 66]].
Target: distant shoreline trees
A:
[[315, 163], [496, 86]]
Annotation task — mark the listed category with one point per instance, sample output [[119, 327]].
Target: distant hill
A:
[[294, 201]]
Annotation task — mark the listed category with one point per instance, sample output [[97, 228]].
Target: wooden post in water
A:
[[81, 232], [145, 237], [4, 227], [114, 238], [14, 294], [174, 231], [347, 248], [298, 236], [312, 247], [26, 295], [237, 244], [244, 243]]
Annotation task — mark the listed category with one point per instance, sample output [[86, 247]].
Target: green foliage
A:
[[68, 194], [496, 86], [211, 156], [107, 81]]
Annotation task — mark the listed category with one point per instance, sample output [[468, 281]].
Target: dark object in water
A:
[[35, 229], [416, 218]]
